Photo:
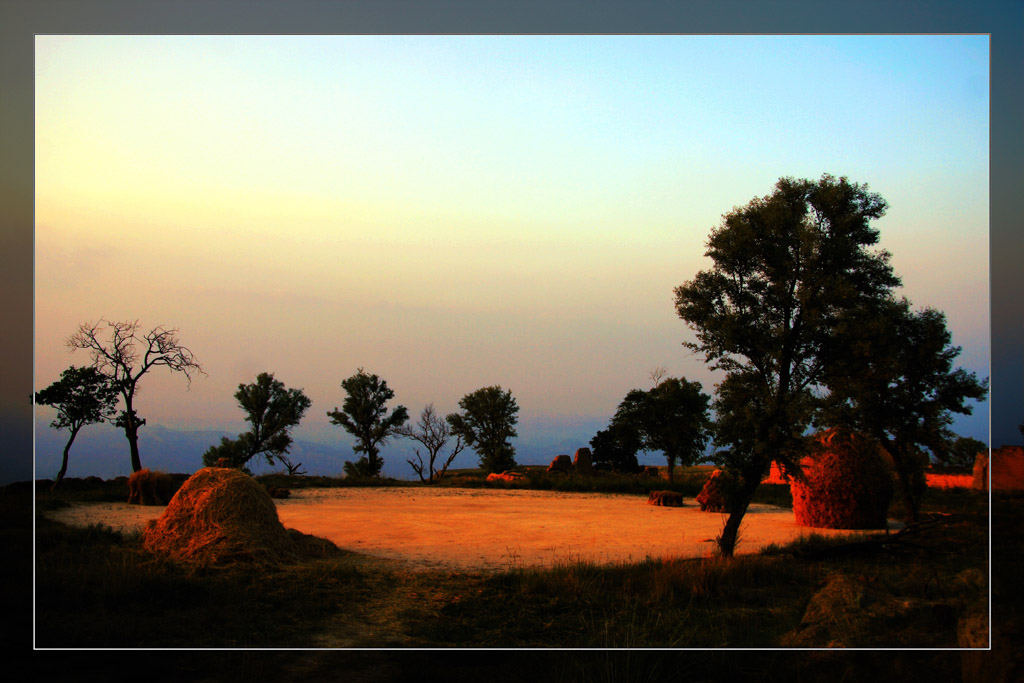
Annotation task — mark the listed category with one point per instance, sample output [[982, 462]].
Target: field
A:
[[483, 583]]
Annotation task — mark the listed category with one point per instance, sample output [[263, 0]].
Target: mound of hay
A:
[[583, 461], [718, 491], [845, 483], [507, 476], [672, 499], [561, 463], [147, 487], [221, 516]]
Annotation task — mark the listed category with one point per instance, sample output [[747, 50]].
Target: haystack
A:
[[150, 487], [845, 483], [718, 491], [665, 498], [220, 516]]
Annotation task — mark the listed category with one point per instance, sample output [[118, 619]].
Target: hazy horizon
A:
[[453, 212]]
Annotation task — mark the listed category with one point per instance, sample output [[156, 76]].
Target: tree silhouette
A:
[[672, 418], [894, 380], [785, 269], [126, 357], [271, 411], [364, 415], [486, 423], [81, 396], [433, 433]]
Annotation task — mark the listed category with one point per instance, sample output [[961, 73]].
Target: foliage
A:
[[894, 380], [126, 357], [82, 396], [364, 415], [672, 418], [786, 268], [962, 451], [486, 423], [271, 411], [433, 432], [615, 448]]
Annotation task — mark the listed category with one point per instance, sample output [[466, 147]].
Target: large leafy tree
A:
[[271, 411], [786, 267], [364, 415], [125, 356], [82, 396], [895, 380], [672, 418], [486, 423]]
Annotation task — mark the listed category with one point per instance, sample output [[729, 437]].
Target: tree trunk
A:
[[64, 463], [740, 503]]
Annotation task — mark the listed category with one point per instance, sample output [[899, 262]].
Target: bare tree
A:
[[125, 357], [433, 433], [658, 374]]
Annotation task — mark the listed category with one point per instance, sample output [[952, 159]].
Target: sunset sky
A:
[[453, 212]]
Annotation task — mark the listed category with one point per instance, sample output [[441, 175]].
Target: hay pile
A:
[[221, 516], [845, 483], [150, 487], [718, 491]]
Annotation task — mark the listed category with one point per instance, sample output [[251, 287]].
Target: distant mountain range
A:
[[102, 450]]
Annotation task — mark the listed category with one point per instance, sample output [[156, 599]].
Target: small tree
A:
[[486, 423], [433, 432], [895, 381], [271, 411], [615, 448], [364, 415], [126, 357], [962, 452], [81, 396], [672, 418]]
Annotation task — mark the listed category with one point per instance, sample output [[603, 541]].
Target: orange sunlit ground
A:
[[471, 529]]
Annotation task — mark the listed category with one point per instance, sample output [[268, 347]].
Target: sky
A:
[[453, 212]]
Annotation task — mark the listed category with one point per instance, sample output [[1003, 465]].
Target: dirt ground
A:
[[488, 529]]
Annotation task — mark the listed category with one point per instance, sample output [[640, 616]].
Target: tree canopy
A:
[[126, 357], [672, 418], [786, 267], [895, 381], [271, 411], [82, 396], [364, 414], [486, 423]]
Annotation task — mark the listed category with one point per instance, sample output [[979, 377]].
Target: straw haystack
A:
[[718, 491], [845, 483], [221, 516]]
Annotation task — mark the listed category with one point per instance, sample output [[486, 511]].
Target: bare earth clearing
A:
[[474, 529]]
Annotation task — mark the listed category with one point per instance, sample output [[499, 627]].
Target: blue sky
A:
[[452, 212]]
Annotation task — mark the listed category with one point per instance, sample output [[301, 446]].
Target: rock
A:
[[718, 490], [665, 498], [583, 462], [844, 483], [561, 463]]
